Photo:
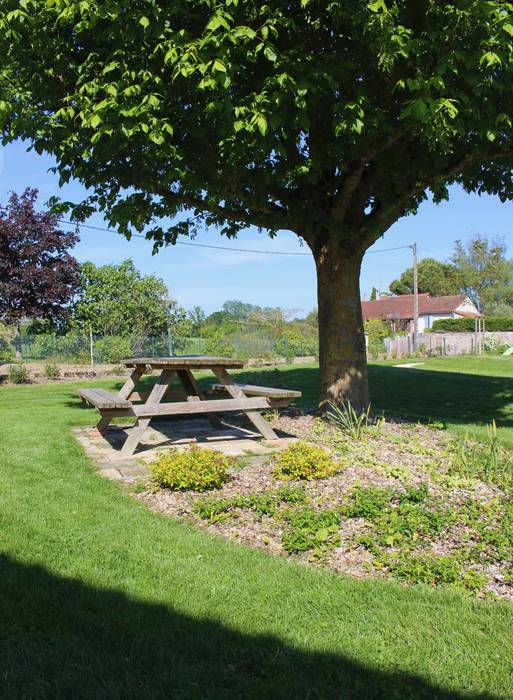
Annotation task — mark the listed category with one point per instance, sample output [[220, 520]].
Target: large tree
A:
[[437, 278], [119, 300], [487, 274], [38, 276], [329, 119]]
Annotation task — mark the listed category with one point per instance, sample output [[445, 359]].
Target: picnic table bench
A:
[[164, 401]]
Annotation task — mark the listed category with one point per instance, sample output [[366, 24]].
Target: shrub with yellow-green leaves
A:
[[301, 460], [194, 469]]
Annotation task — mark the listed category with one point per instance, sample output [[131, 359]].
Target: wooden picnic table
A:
[[162, 400]]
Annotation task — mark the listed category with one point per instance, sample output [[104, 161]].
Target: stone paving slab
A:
[[233, 440]]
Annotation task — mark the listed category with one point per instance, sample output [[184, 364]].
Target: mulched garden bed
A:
[[409, 502]]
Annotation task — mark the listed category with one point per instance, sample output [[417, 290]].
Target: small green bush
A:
[[52, 371], [194, 469], [304, 461], [19, 374]]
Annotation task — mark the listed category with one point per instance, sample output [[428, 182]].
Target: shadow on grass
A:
[[61, 638], [420, 394], [423, 394]]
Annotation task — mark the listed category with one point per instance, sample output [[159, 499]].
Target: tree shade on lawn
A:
[[101, 598], [331, 120]]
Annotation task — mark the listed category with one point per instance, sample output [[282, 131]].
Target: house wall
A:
[[426, 320]]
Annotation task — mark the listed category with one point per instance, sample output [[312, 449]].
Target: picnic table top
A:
[[185, 361]]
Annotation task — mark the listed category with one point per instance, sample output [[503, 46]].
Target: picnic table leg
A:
[[236, 392], [155, 397], [129, 386], [192, 388], [124, 393]]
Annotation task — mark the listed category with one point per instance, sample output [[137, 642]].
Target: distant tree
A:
[[38, 277], [374, 294], [437, 278], [196, 316], [312, 318], [240, 311], [119, 300], [487, 275]]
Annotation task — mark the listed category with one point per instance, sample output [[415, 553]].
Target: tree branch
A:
[[354, 177], [380, 220], [264, 218]]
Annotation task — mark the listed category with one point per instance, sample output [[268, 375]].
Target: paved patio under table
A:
[[235, 440]]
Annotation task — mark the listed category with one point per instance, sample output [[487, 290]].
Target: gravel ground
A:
[[393, 455]]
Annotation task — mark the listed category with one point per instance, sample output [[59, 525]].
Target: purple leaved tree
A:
[[38, 277]]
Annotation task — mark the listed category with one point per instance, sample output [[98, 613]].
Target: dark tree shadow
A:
[[60, 638], [421, 394]]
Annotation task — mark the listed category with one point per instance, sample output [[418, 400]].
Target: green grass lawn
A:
[[465, 393], [100, 597]]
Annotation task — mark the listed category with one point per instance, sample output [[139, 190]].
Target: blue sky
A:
[[197, 276]]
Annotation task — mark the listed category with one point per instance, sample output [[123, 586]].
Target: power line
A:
[[219, 247]]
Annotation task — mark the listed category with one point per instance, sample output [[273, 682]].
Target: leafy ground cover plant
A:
[[302, 460], [194, 469], [404, 506], [308, 529], [266, 503]]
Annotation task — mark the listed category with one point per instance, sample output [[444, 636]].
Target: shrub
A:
[[466, 325], [113, 349], [19, 374], [69, 347], [6, 351], [494, 345], [194, 469], [304, 461], [52, 371]]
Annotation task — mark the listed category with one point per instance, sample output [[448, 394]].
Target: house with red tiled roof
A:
[[398, 310]]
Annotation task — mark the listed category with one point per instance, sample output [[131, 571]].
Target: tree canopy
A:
[[38, 276], [117, 300], [330, 119], [486, 273], [435, 277]]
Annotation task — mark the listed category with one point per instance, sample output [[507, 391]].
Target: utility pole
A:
[[415, 300]]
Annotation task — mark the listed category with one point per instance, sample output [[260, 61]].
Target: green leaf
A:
[[270, 54], [218, 65], [377, 6], [95, 121], [144, 22], [261, 123]]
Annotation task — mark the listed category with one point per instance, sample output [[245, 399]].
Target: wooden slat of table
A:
[[198, 406], [185, 362]]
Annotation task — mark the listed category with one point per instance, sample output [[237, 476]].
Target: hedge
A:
[[466, 325]]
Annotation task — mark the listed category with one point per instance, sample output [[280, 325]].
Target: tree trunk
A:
[[342, 352], [17, 343]]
